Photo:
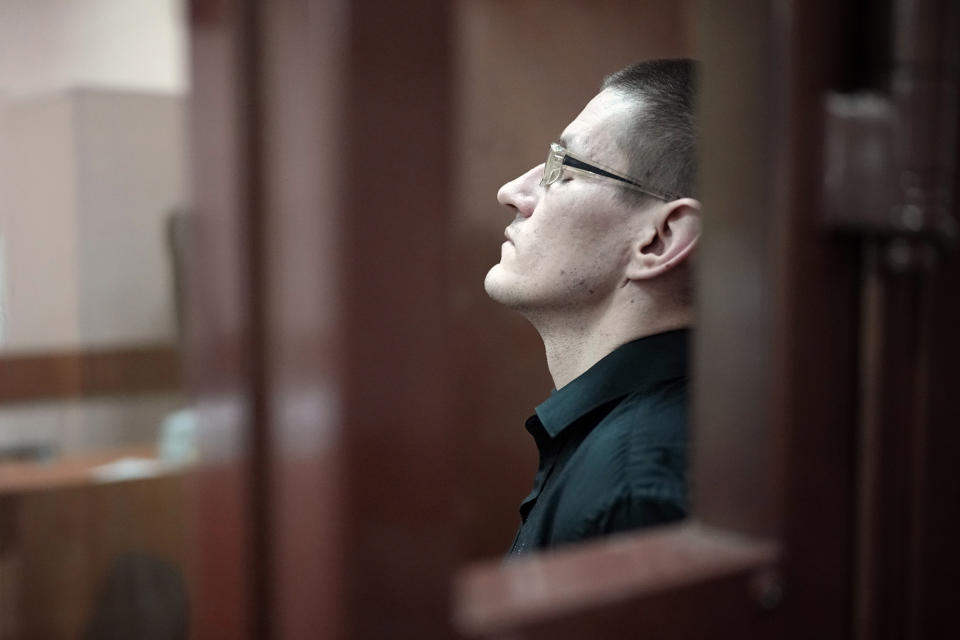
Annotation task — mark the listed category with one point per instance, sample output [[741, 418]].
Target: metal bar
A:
[[217, 325], [919, 453], [869, 451], [897, 314], [253, 165], [924, 88]]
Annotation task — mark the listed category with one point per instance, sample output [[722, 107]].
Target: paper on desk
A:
[[130, 469]]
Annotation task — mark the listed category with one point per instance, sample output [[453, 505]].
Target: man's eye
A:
[[565, 179]]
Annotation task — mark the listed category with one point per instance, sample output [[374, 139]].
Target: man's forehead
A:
[[596, 129]]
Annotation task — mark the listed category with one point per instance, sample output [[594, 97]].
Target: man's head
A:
[[661, 140], [614, 220]]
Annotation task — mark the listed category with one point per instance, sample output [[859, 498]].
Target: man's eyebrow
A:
[[563, 141]]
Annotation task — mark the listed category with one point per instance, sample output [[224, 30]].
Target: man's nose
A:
[[520, 193]]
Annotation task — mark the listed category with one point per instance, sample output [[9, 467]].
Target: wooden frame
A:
[[326, 508], [79, 374]]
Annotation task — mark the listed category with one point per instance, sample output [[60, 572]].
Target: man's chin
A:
[[496, 288]]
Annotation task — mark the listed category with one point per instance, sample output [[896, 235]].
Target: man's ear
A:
[[670, 236]]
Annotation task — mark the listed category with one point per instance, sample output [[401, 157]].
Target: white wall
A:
[[50, 45], [130, 179], [88, 179], [38, 224], [48, 50]]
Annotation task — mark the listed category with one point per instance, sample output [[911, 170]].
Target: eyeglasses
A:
[[558, 157]]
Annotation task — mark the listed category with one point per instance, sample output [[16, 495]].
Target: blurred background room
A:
[[93, 421]]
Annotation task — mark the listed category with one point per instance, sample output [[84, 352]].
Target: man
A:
[[597, 258]]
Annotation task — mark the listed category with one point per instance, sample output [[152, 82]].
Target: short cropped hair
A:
[[661, 140]]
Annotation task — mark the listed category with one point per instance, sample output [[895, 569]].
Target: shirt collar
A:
[[624, 370]]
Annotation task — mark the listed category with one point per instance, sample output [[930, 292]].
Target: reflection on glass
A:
[[95, 433]]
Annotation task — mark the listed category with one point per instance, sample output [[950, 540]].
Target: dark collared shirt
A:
[[612, 447]]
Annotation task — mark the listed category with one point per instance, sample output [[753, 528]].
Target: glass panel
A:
[[95, 432]]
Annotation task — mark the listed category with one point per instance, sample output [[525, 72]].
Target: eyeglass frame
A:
[[559, 157]]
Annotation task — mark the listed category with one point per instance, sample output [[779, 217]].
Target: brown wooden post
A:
[[322, 154], [777, 341], [218, 339]]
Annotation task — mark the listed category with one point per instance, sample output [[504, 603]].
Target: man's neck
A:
[[573, 345]]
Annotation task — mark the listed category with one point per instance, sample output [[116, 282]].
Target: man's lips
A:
[[506, 234]]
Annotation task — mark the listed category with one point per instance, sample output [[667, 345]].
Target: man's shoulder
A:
[[636, 453], [642, 433]]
